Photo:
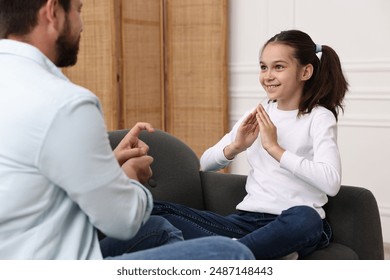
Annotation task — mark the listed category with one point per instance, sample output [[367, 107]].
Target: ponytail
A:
[[327, 86]]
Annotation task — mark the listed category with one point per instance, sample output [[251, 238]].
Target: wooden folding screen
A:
[[160, 61], [143, 62], [196, 71]]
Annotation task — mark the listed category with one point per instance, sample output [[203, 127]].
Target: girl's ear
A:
[[307, 72]]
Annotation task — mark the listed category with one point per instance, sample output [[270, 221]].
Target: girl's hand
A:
[[268, 134], [247, 134]]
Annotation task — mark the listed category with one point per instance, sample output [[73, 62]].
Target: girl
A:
[[291, 146]]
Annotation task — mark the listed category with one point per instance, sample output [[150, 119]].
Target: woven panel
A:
[[142, 62], [197, 91], [96, 68], [160, 61]]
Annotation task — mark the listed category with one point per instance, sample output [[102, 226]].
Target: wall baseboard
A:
[[386, 246]]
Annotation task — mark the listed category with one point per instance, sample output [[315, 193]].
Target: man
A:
[[59, 179]]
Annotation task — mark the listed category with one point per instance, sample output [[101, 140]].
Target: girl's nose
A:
[[268, 75]]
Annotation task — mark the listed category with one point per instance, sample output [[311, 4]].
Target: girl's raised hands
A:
[[268, 134]]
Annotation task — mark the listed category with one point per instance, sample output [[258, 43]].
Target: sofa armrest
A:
[[222, 191], [354, 217]]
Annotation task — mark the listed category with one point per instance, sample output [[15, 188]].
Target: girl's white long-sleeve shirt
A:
[[309, 170]]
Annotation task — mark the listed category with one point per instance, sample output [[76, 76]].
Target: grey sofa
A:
[[353, 213]]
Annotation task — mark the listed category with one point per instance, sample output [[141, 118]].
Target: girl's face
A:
[[281, 76]]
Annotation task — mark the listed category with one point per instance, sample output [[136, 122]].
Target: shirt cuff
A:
[[149, 202], [290, 161], [221, 159]]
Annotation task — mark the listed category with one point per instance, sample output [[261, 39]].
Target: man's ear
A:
[[52, 12], [307, 72]]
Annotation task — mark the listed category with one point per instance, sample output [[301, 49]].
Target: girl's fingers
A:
[[263, 115], [250, 119]]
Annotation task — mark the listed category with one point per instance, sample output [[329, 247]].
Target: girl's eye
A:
[[279, 67], [263, 67]]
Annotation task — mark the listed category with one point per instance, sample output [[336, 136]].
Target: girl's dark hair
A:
[[19, 17], [327, 86]]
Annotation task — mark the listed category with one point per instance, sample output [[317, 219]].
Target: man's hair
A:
[[19, 17]]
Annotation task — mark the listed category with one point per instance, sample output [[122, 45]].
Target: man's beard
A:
[[67, 48]]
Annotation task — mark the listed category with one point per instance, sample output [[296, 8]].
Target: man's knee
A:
[[160, 223]]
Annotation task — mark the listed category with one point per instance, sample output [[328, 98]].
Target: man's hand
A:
[[131, 154], [131, 146], [138, 168]]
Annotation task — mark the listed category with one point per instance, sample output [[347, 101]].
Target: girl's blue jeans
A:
[[298, 229]]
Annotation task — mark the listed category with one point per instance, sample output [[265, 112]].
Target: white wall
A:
[[359, 31]]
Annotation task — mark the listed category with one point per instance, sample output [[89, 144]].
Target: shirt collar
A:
[[28, 51]]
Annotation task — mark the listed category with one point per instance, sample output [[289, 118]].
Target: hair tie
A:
[[318, 48]]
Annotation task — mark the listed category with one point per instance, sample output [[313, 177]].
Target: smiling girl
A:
[[291, 146]]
